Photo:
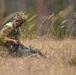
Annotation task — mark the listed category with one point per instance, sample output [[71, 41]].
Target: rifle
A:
[[21, 50]]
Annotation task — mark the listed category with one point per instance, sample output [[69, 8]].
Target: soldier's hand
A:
[[15, 42]]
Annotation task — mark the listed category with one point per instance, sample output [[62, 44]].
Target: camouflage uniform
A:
[[11, 31]]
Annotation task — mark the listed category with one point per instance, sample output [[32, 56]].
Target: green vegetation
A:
[[53, 25], [60, 25]]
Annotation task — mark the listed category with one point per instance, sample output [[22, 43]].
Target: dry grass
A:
[[58, 55]]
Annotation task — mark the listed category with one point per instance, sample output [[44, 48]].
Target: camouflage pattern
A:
[[9, 31], [20, 16]]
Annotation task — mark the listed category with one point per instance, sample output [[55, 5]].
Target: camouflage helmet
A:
[[20, 16]]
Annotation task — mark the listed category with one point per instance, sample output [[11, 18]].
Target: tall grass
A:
[[60, 25], [59, 51], [59, 55], [60, 59]]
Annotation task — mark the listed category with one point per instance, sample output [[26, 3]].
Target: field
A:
[[59, 59]]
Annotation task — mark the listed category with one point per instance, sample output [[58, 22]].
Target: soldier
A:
[[10, 33]]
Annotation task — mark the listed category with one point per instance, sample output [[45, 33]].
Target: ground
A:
[[57, 61]]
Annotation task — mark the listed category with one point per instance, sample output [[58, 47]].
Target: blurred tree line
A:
[[43, 9]]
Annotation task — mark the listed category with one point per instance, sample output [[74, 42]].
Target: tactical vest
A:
[[10, 31]]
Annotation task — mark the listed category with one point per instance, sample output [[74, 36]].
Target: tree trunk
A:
[[39, 14], [1, 13], [8, 6], [39, 10]]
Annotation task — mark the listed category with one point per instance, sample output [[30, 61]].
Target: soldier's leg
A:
[[8, 46]]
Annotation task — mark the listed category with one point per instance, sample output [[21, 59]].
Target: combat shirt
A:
[[9, 31]]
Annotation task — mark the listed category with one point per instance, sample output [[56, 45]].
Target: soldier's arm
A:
[[13, 41], [4, 35]]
